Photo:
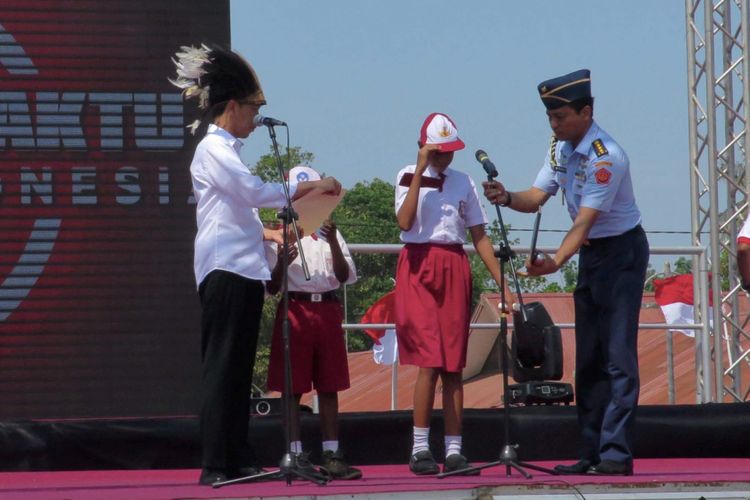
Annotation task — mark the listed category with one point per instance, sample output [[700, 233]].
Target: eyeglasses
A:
[[250, 102]]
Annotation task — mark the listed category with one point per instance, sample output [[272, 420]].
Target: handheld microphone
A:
[[268, 122], [489, 167]]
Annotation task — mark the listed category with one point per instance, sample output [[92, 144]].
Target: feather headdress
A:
[[214, 76]]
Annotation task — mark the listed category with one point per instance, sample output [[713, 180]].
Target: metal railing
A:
[[704, 385]]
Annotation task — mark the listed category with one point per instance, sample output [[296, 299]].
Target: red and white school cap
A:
[[439, 129]]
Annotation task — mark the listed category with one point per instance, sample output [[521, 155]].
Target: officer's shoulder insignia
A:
[[599, 148]]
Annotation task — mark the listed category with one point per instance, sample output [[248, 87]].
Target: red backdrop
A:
[[99, 315]]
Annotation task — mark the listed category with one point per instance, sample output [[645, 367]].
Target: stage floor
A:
[[654, 479]]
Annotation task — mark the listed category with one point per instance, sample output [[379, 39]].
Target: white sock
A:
[[296, 446], [452, 445], [331, 446], [421, 440]]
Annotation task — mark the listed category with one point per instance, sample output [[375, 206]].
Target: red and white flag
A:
[[385, 350], [675, 297]]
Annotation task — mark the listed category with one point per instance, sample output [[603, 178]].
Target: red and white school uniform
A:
[[316, 339], [433, 277]]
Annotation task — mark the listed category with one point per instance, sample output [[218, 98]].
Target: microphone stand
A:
[[288, 467], [508, 455]]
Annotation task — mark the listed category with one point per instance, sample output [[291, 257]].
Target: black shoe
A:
[[612, 468], [423, 463], [303, 463], [458, 462], [334, 464], [211, 476], [580, 467]]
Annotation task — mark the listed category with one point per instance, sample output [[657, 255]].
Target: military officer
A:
[[593, 173]]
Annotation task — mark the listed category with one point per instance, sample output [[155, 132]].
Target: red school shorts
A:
[[433, 301], [317, 348]]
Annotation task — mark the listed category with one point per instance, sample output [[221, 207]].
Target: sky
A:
[[354, 80]]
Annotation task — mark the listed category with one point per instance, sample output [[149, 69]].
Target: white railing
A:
[[704, 387]]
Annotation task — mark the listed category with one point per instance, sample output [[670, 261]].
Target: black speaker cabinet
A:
[[536, 346]]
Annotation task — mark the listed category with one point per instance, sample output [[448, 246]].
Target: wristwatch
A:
[[507, 203]]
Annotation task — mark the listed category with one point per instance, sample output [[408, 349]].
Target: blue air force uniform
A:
[[611, 272]]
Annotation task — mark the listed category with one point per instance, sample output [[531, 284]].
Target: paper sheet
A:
[[314, 208]]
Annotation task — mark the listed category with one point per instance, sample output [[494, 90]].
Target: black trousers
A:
[[232, 308], [607, 307]]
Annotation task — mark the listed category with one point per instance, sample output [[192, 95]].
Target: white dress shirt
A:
[[230, 233], [443, 216], [319, 262]]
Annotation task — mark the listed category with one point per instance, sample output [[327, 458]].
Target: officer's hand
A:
[[495, 192], [543, 264], [328, 230], [424, 155], [330, 185]]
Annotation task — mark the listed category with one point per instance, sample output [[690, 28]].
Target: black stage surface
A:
[[542, 432]]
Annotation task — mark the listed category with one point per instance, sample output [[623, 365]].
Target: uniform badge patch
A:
[[599, 148], [603, 176]]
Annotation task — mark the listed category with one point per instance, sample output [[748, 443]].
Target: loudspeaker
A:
[[536, 346], [265, 406]]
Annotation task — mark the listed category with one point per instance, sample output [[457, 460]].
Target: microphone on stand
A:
[[268, 122], [489, 167]]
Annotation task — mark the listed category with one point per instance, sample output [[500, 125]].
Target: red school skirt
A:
[[433, 300]]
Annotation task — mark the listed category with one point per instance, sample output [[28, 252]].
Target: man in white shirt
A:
[[230, 265]]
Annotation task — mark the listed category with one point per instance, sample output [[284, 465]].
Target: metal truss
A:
[[718, 93]]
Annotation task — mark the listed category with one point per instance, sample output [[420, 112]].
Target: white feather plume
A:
[[189, 63], [193, 126]]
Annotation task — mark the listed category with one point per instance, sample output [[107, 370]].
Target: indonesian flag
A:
[[675, 297], [385, 350]]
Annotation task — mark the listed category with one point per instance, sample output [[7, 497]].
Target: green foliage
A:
[[683, 265], [260, 376]]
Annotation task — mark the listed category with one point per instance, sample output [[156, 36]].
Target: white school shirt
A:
[[230, 233], [442, 216], [319, 262]]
